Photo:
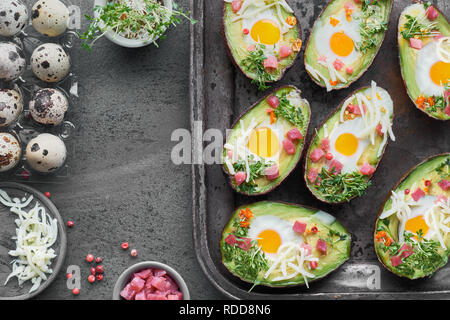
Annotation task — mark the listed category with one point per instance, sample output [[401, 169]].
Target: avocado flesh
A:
[[286, 162], [424, 171], [362, 63], [408, 57], [336, 254], [369, 155], [238, 47]]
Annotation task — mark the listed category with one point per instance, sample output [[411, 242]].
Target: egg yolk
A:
[[265, 32], [440, 73], [415, 224], [269, 241], [346, 144], [263, 142], [341, 44]]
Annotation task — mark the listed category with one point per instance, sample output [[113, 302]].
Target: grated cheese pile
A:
[[36, 232]]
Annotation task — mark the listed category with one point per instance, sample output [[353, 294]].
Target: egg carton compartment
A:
[[26, 127]]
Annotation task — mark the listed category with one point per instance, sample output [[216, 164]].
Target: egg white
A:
[[426, 58], [323, 36], [354, 127], [419, 209]]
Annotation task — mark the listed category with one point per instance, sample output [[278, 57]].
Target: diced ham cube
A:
[[272, 172], [432, 13], [245, 244], [316, 155], [251, 48], [441, 198], [322, 59], [447, 110], [273, 101], [159, 283], [416, 43], [378, 129], [406, 250], [231, 240], [308, 249], [313, 265], [144, 274], [349, 70], [148, 285], [438, 36], [349, 5], [137, 284], [285, 51], [173, 286], [128, 293], [140, 296], [230, 154], [240, 177], [159, 272], [416, 195], [321, 246], [338, 64], [444, 184], [271, 62], [294, 134], [366, 169], [335, 166], [299, 227], [155, 296], [396, 261], [173, 297], [236, 5], [313, 175], [357, 109], [325, 145], [288, 146], [351, 108]]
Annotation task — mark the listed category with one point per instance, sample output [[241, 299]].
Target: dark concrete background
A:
[[124, 186]]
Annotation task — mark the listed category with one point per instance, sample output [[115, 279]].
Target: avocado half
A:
[[337, 254], [312, 55], [238, 49], [408, 58], [370, 154], [288, 162], [423, 171]]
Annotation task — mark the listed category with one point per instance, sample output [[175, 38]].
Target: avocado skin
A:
[[404, 76], [399, 185], [336, 224], [300, 150], [313, 138], [236, 63], [361, 72]]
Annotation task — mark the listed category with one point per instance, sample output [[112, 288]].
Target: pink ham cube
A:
[[349, 5], [288, 146], [416, 43], [308, 249], [271, 62], [335, 166], [432, 13], [325, 144], [316, 155], [299, 227], [313, 265], [236, 5], [245, 243], [313, 176], [272, 172], [231, 240], [159, 283], [173, 297], [156, 296], [349, 70], [441, 198], [285, 51], [366, 169], [321, 246], [137, 284], [444, 184], [140, 295], [406, 250], [378, 129], [159, 272], [416, 195], [294, 134], [338, 64], [128, 292], [144, 274], [273, 101], [396, 261], [447, 110], [240, 177]]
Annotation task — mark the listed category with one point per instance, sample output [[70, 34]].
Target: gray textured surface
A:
[[124, 186]]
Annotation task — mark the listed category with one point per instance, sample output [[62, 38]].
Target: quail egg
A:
[[50, 17], [10, 151], [12, 61], [11, 106], [13, 17], [46, 153], [48, 106], [50, 62]]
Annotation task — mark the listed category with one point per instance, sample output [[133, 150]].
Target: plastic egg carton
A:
[[25, 127]]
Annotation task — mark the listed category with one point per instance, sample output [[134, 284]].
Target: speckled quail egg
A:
[[50, 62], [10, 151], [11, 106], [12, 61], [48, 106], [13, 17], [50, 17], [46, 153]]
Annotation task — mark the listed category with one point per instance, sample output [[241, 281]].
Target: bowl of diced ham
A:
[[150, 280]]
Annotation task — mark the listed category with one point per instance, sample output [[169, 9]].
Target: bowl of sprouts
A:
[[132, 23]]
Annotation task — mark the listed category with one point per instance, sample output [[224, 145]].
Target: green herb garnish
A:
[[254, 63], [444, 169], [151, 21], [334, 237], [371, 24], [288, 111], [341, 187], [257, 170], [417, 27]]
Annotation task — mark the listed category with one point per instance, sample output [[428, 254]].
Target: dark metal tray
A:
[[219, 93]]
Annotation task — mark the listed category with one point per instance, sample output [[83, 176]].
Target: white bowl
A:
[[125, 42]]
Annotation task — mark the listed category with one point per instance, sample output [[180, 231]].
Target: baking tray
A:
[[220, 92]]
